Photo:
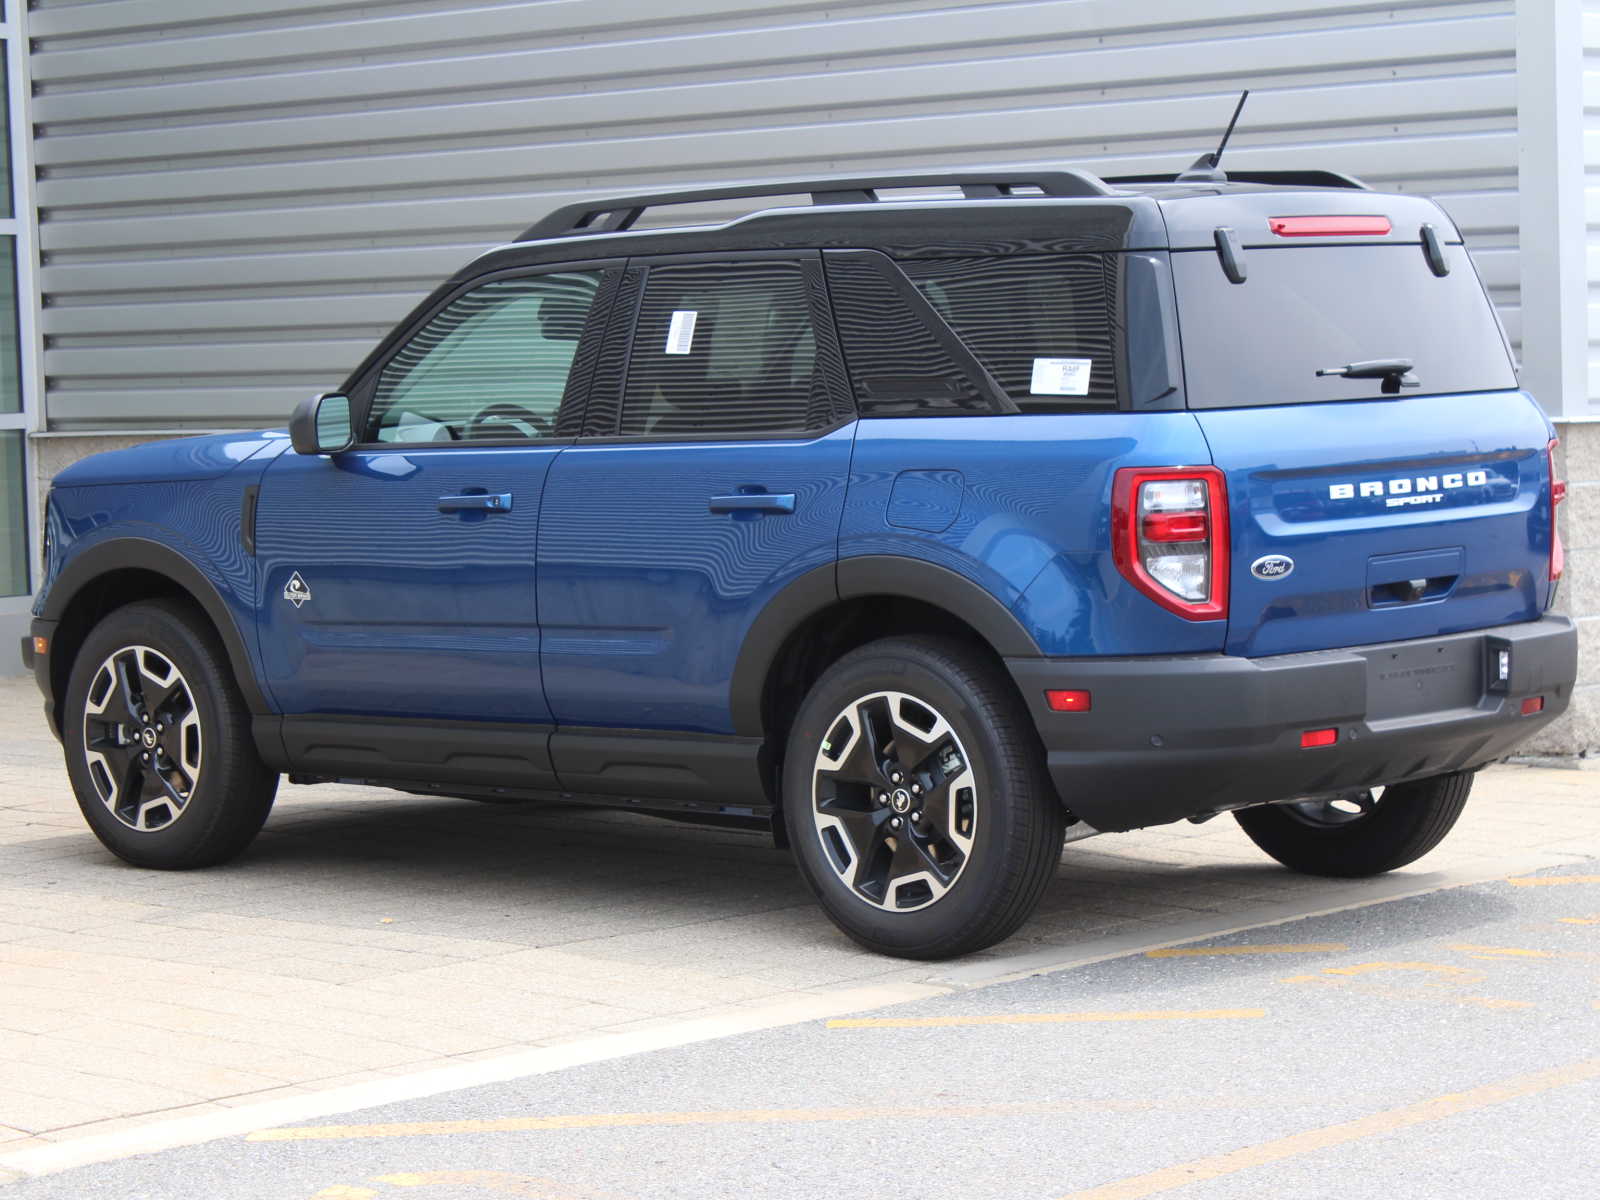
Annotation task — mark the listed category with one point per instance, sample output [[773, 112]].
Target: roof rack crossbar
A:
[[616, 214], [1308, 178]]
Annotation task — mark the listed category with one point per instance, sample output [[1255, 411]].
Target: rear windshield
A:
[[1308, 307]]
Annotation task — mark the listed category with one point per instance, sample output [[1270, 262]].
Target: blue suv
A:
[[928, 524]]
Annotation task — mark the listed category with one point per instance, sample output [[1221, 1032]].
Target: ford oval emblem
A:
[[1272, 566]]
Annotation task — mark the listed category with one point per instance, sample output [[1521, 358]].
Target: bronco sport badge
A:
[[295, 591]]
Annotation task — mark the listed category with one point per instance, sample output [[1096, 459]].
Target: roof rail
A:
[[618, 213], [1327, 179]]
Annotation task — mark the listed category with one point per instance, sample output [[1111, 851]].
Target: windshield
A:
[[1310, 308]]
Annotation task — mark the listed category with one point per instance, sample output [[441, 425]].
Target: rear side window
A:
[[725, 349], [1043, 326], [897, 366], [491, 365], [1305, 308]]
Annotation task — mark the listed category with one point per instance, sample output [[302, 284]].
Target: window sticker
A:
[[1061, 376], [680, 334]]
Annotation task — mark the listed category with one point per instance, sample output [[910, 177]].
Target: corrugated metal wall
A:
[[238, 196], [1591, 146]]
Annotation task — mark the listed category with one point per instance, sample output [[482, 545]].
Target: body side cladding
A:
[[916, 579], [146, 555], [854, 578], [644, 768]]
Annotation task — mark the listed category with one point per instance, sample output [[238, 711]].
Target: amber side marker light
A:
[[1531, 705], [1312, 738], [41, 645], [1061, 700]]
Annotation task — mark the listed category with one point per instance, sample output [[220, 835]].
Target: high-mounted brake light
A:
[[1329, 226], [1558, 493], [1169, 537]]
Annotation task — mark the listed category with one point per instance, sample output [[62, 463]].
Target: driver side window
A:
[[491, 365]]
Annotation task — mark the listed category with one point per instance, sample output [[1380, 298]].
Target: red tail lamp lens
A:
[[1169, 537], [1531, 705], [1063, 700], [1312, 738]]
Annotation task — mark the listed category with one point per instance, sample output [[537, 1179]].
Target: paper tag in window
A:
[[1061, 376], [680, 334]]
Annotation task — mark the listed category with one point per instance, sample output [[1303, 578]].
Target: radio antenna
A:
[[1206, 167]]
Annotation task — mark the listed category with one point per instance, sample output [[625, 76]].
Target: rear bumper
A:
[[1169, 738]]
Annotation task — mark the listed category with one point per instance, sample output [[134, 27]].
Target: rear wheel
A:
[[916, 800], [1360, 833], [158, 743]]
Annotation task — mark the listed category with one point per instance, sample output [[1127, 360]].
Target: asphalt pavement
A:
[[1442, 1045]]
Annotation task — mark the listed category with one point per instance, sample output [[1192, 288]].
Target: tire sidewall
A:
[[974, 895], [163, 631]]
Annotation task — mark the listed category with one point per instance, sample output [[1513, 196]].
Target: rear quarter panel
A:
[[1021, 506]]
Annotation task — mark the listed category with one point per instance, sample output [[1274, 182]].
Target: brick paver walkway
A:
[[369, 933]]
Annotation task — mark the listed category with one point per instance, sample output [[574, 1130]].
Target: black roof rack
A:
[[1326, 179], [618, 213]]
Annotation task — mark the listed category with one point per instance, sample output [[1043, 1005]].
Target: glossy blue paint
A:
[[1281, 464], [926, 500], [414, 612], [1034, 521], [197, 519], [177, 459], [646, 594]]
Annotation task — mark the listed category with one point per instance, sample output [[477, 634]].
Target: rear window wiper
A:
[[1395, 373]]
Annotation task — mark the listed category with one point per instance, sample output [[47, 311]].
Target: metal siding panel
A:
[[238, 197], [1591, 161]]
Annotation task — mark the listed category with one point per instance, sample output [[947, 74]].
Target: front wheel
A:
[[1360, 833], [158, 743], [916, 800]]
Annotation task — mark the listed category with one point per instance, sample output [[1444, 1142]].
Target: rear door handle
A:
[[476, 502], [758, 502]]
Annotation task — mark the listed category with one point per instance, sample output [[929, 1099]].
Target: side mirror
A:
[[321, 425]]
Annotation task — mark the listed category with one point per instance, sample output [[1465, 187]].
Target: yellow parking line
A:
[[1211, 1014], [1551, 880], [1312, 1140], [758, 1116], [1579, 920], [1208, 951], [1499, 951]]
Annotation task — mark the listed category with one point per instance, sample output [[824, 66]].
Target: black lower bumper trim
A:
[[1183, 736]]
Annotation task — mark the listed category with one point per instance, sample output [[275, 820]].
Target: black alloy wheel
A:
[[158, 740], [1360, 833], [916, 799]]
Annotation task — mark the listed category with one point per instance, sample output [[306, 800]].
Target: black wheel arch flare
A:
[[852, 578], [126, 553]]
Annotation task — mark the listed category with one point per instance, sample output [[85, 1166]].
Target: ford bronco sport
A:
[[928, 523]]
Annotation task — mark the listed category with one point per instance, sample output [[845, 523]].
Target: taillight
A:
[[1170, 537], [1558, 493]]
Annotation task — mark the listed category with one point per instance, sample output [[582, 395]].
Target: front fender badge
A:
[[1272, 566], [295, 591]]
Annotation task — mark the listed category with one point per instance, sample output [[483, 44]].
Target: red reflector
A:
[[1532, 705], [1061, 700], [1329, 226], [1176, 527], [1558, 493], [1312, 738]]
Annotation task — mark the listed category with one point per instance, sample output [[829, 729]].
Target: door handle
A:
[[476, 502], [756, 502]]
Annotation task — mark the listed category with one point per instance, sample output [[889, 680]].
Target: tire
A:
[[1362, 835], [970, 869], [157, 741]]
